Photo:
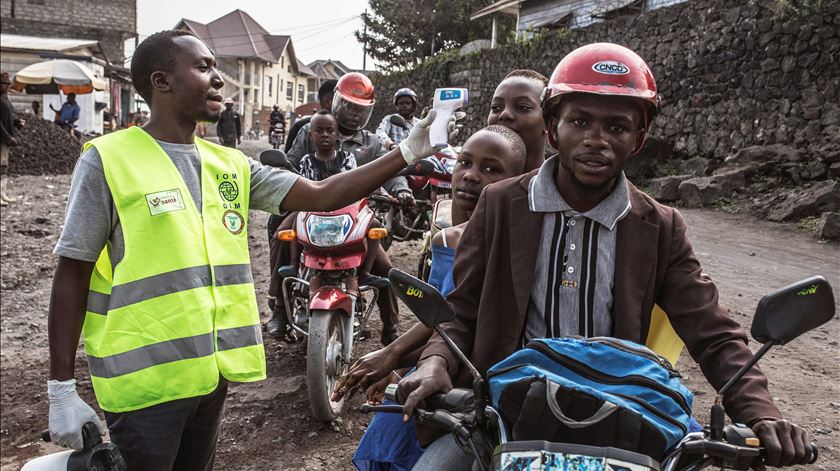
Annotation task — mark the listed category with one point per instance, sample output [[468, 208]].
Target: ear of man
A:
[[161, 82]]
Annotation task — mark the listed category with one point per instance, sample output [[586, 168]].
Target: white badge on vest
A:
[[165, 201]]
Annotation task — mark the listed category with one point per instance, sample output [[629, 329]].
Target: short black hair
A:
[[155, 53], [515, 141], [530, 74], [327, 88]]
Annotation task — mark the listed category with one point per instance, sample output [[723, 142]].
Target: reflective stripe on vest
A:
[[167, 283], [179, 309]]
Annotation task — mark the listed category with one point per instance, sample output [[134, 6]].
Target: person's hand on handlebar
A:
[[376, 393], [364, 372], [785, 443], [406, 198], [430, 377]]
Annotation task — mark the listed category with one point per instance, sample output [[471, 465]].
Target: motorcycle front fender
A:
[[331, 298]]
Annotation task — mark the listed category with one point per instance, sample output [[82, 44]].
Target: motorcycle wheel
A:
[[323, 362]]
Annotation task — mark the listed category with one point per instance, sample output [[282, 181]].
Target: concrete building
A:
[[110, 23], [260, 69]]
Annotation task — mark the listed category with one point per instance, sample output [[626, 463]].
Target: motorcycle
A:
[[277, 135], [325, 302], [482, 432]]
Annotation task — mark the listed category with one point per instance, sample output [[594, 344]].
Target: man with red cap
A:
[[229, 126], [352, 106], [573, 248]]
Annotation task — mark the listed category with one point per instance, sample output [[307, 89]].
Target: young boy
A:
[[326, 161], [490, 155]]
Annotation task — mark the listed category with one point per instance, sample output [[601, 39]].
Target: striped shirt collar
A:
[[543, 197]]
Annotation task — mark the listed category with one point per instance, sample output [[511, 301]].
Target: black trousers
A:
[[175, 435]]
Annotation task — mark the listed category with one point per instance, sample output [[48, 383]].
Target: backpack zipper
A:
[[584, 370], [662, 361], [654, 411]]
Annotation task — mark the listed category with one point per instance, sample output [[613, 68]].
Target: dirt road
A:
[[269, 426]]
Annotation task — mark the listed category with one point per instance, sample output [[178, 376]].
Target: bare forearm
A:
[[345, 188], [68, 303], [413, 339]]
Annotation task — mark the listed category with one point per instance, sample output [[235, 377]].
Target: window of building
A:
[[300, 93], [283, 61], [289, 91], [269, 85]]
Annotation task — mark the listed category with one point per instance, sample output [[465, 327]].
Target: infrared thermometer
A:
[[446, 101]]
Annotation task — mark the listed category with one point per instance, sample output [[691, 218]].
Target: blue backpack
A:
[[598, 391]]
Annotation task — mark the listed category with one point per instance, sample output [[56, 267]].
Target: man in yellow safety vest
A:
[[154, 266]]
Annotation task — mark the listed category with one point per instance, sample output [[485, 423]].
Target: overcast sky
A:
[[320, 29]]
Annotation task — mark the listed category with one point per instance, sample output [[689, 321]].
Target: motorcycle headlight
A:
[[328, 231]]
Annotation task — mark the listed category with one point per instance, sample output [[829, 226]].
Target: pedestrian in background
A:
[[8, 123], [229, 126]]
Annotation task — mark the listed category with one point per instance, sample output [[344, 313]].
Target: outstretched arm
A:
[[347, 187]]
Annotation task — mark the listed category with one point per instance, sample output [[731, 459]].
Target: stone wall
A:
[[110, 22], [732, 74]]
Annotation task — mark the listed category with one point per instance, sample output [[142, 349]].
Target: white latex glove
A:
[[68, 414], [416, 146], [453, 128]]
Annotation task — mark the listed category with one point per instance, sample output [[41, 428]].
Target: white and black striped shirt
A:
[[573, 280]]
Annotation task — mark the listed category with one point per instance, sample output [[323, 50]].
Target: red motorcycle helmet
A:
[[602, 69], [353, 101]]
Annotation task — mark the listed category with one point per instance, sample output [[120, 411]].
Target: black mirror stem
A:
[[760, 353], [457, 351]]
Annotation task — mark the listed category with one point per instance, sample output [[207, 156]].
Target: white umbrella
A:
[[59, 74]]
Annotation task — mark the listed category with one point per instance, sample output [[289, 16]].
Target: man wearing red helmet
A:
[[352, 106], [576, 249]]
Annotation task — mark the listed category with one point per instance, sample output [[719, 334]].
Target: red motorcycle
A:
[[324, 299], [325, 303]]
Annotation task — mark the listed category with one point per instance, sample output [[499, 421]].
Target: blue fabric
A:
[[389, 444], [69, 112], [440, 275], [596, 366]]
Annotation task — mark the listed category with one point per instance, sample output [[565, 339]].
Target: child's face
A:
[[323, 131], [485, 158], [516, 105]]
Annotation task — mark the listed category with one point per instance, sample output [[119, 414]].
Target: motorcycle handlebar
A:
[[727, 451]]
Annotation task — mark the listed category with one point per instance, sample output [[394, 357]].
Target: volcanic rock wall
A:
[[732, 73]]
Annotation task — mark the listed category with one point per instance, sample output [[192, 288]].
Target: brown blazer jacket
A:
[[494, 271]]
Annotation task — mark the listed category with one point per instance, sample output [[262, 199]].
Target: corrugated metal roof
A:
[[15, 41], [507, 7]]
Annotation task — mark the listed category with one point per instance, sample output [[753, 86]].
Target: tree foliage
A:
[[401, 33]]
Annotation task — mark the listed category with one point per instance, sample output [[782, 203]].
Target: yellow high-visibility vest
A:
[[179, 309]]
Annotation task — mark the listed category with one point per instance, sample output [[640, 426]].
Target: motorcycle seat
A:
[[373, 281], [287, 271]]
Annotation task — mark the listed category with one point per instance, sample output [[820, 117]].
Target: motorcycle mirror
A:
[[275, 158], [789, 312], [422, 298], [422, 168], [398, 121], [780, 317], [429, 306]]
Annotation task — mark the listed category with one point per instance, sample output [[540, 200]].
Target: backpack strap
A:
[[606, 409]]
